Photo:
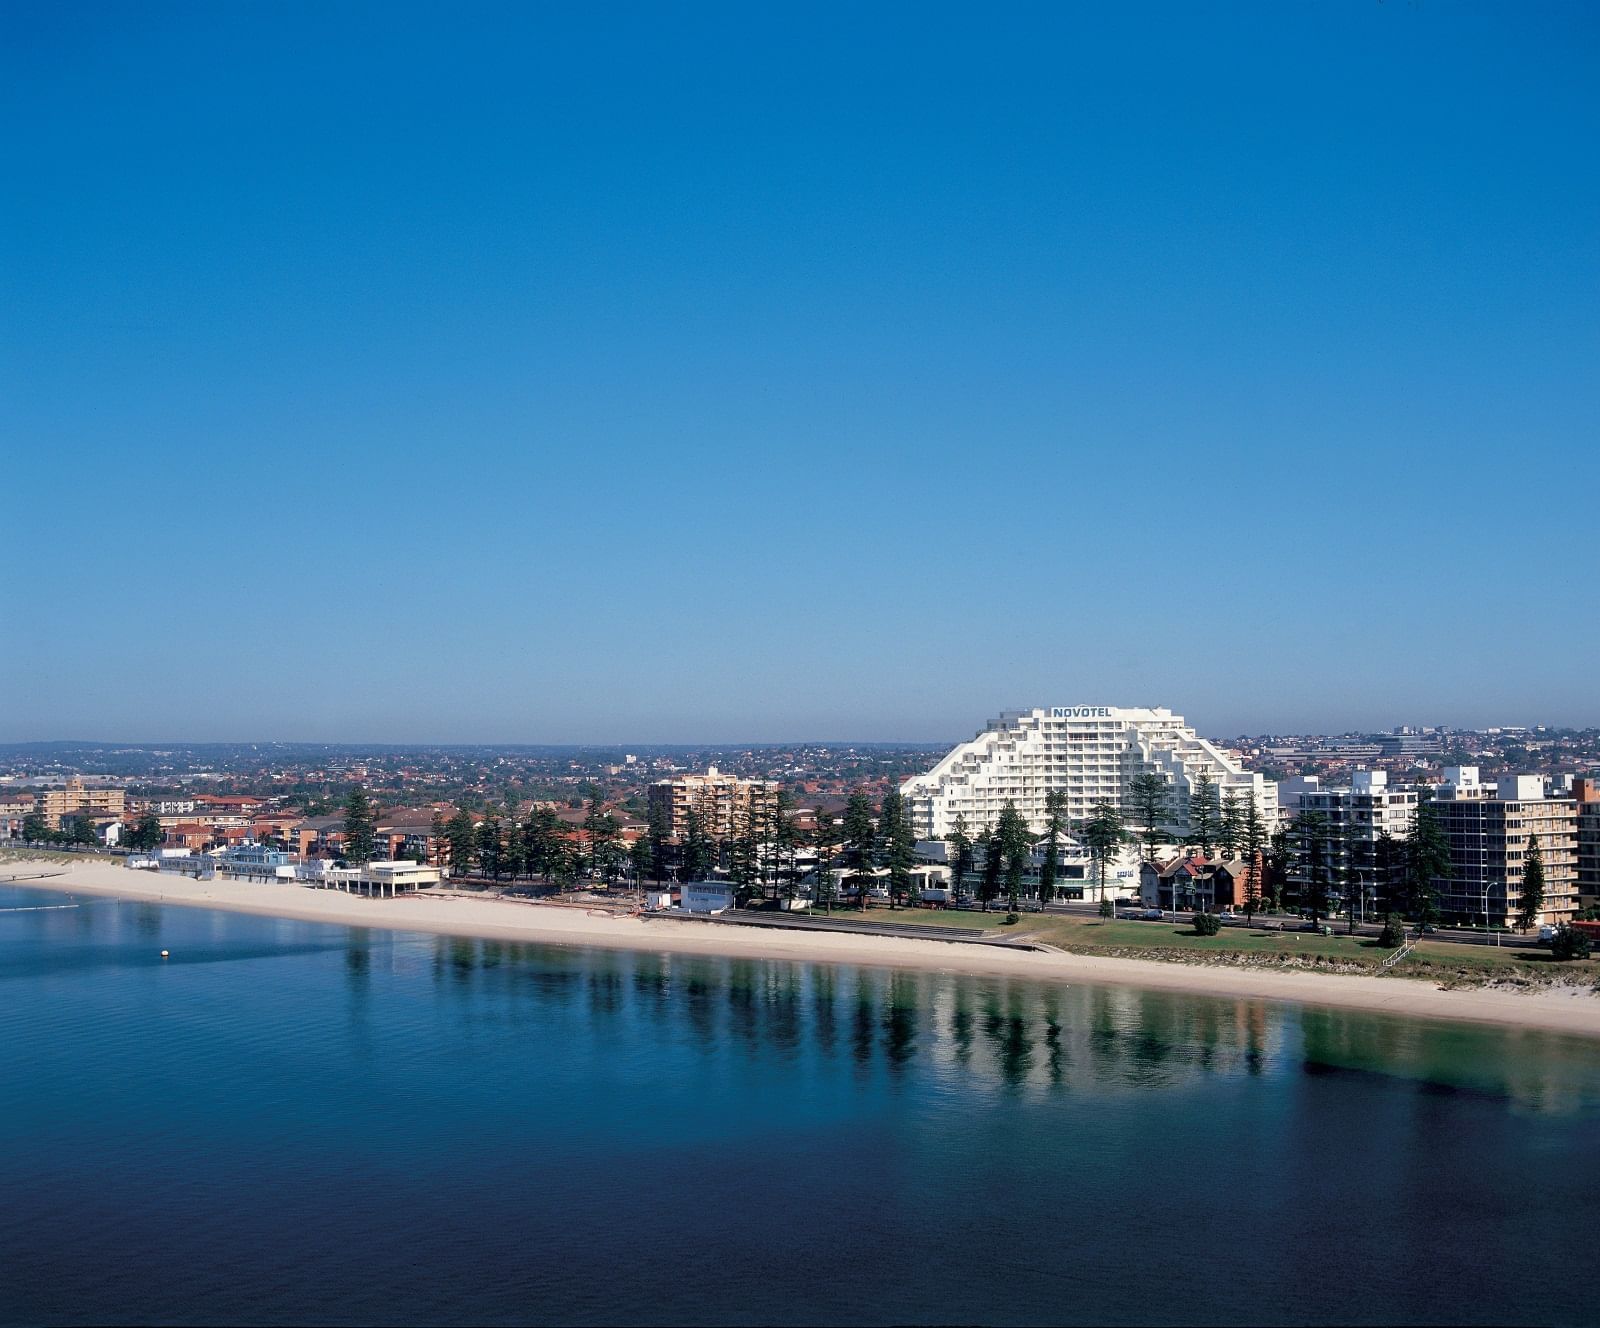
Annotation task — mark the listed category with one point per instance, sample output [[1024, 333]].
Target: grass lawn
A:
[[1437, 961], [14, 855]]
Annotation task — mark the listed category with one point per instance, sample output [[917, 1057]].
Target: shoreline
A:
[[1562, 1010]]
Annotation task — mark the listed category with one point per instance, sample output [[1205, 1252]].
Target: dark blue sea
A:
[[296, 1123]]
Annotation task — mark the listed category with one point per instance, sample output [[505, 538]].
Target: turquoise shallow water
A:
[[289, 1122]]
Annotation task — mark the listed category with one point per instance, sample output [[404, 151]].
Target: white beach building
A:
[[383, 880]]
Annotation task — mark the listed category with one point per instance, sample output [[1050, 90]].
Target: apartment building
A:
[[724, 804], [1091, 754], [1357, 819], [1489, 828], [1586, 796], [53, 804]]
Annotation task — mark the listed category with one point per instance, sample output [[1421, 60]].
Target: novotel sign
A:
[[1080, 712]]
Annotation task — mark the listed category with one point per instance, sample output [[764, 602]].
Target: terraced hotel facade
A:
[[1091, 753]]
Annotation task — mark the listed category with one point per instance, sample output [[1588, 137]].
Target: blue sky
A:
[[630, 373]]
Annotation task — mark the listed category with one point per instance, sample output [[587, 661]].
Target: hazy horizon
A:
[[690, 744]]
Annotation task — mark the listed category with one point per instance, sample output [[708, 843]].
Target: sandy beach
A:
[[1566, 1010]]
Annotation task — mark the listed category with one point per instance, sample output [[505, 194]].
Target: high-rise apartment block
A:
[[1489, 827], [1089, 753], [724, 804], [1358, 818], [1586, 796]]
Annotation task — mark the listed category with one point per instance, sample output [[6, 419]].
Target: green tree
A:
[[1253, 837], [566, 861], [461, 837], [36, 829], [826, 838], [360, 827], [641, 859], [860, 836], [1570, 943], [146, 833], [1055, 813], [696, 847], [744, 850], [1427, 862], [785, 848], [513, 854], [1206, 924], [959, 856], [539, 834], [1205, 815], [604, 835], [1308, 846], [1150, 800], [1532, 885], [1230, 833], [1015, 846], [436, 837], [1103, 834], [491, 857], [660, 820], [899, 845], [1393, 935], [1278, 856], [993, 863]]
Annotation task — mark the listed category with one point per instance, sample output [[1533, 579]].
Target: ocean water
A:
[[287, 1122]]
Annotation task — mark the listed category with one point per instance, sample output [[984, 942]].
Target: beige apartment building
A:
[[53, 804], [1489, 827], [724, 803]]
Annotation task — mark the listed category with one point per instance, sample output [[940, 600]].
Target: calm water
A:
[[289, 1122]]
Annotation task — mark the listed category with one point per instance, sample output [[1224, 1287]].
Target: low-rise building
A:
[[1192, 883], [380, 880], [706, 896], [256, 861]]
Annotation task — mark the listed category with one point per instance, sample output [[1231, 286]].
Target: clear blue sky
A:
[[679, 373]]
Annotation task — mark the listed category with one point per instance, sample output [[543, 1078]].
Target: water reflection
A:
[[1011, 1036]]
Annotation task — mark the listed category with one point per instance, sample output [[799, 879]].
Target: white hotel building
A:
[[1091, 753]]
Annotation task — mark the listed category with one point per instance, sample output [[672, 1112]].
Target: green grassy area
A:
[[14, 854], [1436, 961]]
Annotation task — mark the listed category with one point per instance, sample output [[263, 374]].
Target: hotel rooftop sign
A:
[[1080, 712]]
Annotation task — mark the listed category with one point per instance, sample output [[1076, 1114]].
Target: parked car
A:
[[1228, 915], [1547, 934], [1151, 915]]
